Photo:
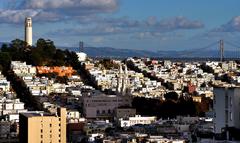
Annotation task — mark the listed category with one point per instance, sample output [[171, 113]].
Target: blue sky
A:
[[133, 24]]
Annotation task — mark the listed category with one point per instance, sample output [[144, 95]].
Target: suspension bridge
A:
[[221, 50]]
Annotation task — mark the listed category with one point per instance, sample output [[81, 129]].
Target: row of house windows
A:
[[105, 101], [104, 112]]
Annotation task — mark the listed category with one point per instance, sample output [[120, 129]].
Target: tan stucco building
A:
[[39, 127]]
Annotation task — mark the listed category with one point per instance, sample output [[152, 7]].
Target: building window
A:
[[50, 125], [41, 131], [231, 116], [231, 101], [226, 117], [226, 101]]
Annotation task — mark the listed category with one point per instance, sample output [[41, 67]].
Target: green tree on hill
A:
[[44, 53], [5, 60]]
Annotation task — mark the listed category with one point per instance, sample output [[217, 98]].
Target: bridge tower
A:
[[81, 48], [221, 48]]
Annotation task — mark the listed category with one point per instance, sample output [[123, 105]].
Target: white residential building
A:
[[11, 108], [4, 84], [138, 119], [22, 69]]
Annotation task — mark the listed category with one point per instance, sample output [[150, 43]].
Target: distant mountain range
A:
[[123, 53]]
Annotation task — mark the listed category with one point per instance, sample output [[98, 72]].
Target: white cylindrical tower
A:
[[28, 31]]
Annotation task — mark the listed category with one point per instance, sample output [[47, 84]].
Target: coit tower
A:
[[28, 31]]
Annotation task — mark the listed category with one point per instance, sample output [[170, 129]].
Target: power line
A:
[[188, 52], [232, 44]]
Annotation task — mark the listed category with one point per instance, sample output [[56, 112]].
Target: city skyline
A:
[[98, 71], [122, 24]]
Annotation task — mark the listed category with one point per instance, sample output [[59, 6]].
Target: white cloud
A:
[[69, 4], [98, 40], [157, 35], [178, 22], [152, 20], [54, 10], [228, 31], [232, 26], [150, 27], [15, 16], [18, 16], [71, 7], [92, 31]]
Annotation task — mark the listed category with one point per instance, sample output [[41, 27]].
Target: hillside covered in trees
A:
[[43, 54]]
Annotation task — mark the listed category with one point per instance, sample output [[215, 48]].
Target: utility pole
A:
[[221, 48]]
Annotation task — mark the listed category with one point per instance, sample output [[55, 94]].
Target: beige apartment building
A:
[[102, 106], [39, 127]]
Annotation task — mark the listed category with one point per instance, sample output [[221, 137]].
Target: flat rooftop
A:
[[36, 114]]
